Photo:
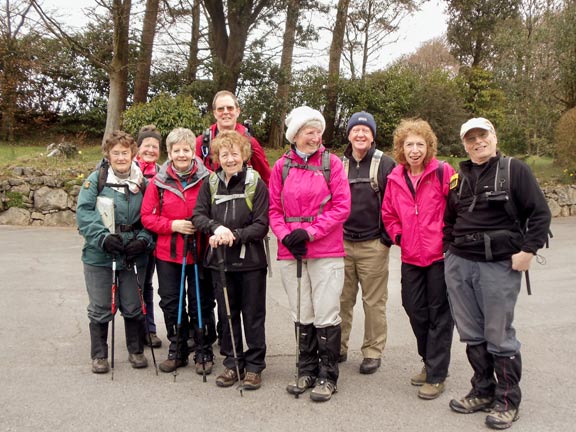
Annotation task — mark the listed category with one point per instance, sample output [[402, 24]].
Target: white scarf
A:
[[134, 180]]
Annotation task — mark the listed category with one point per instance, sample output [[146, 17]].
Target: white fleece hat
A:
[[298, 117], [476, 123]]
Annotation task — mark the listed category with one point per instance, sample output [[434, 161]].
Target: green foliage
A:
[[166, 112], [566, 141], [14, 199]]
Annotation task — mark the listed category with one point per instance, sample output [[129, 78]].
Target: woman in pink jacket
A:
[[309, 203], [412, 211]]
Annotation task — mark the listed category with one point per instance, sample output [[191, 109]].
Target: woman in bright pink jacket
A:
[[412, 212], [309, 203]]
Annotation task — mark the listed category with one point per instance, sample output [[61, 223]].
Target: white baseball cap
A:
[[476, 123]]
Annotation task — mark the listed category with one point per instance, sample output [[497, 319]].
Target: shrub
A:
[[565, 141], [166, 112]]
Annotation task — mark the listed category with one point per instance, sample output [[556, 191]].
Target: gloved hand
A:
[[398, 239], [297, 236], [296, 242], [113, 244], [135, 247]]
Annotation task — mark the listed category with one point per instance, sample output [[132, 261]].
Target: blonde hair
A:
[[414, 126], [181, 135]]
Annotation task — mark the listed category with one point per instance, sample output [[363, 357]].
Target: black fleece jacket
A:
[[470, 213], [249, 227]]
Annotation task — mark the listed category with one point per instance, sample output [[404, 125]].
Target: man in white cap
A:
[[366, 242], [496, 219]]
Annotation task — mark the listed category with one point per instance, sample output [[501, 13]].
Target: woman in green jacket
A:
[[115, 246]]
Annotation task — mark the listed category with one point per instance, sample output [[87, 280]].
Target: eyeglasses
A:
[[472, 138], [221, 109]]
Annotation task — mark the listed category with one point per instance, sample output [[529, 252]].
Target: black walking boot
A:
[[483, 381], [135, 331], [328, 353], [308, 365], [508, 395], [99, 347], [177, 356]]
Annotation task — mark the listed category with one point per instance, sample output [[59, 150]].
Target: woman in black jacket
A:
[[232, 208]]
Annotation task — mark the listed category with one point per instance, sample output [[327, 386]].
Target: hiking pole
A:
[[199, 306], [181, 303], [114, 288], [229, 315], [528, 288], [298, 289], [144, 312]]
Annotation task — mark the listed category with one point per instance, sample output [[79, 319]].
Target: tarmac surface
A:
[[46, 383]]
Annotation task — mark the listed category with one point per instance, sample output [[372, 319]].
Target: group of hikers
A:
[[202, 218]]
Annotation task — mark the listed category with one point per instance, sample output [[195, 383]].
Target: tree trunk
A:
[[277, 125], [192, 67], [334, 70], [228, 48], [142, 78], [118, 67]]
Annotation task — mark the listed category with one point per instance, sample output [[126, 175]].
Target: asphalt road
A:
[[46, 383]]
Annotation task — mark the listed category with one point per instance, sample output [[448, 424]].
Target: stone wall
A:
[[30, 197]]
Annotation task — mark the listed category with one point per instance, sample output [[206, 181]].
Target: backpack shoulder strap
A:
[[250, 184], [440, 172], [346, 163], [502, 183], [102, 174], [374, 165], [206, 139], [326, 166]]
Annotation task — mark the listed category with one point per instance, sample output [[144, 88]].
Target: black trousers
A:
[[247, 300], [425, 301], [169, 277]]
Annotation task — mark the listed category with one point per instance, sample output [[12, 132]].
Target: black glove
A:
[[135, 247], [296, 242], [113, 244], [297, 236]]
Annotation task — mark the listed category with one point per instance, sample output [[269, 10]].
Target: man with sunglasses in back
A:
[[226, 111]]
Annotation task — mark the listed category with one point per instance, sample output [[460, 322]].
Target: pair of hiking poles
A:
[[105, 207], [198, 302]]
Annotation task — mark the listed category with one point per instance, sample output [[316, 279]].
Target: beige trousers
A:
[[366, 266]]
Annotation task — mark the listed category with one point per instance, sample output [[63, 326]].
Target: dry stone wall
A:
[[30, 197]]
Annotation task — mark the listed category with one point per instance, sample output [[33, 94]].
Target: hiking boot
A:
[[100, 366], [420, 378], [431, 391], [252, 381], [304, 382], [138, 361], [342, 357], [369, 365], [323, 391], [156, 341], [228, 377], [470, 404], [170, 365], [205, 368], [500, 418]]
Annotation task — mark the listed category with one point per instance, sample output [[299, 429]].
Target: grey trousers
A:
[[99, 286], [482, 298]]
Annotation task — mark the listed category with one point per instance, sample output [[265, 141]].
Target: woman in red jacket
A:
[[412, 212], [167, 210]]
